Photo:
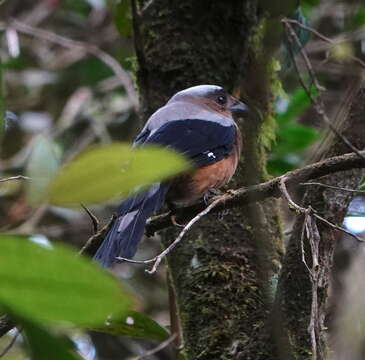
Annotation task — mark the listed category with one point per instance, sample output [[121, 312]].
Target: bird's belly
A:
[[188, 188]]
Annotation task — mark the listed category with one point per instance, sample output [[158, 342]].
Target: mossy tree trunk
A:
[[296, 290], [222, 271]]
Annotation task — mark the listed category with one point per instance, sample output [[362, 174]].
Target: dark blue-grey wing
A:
[[141, 137], [204, 142]]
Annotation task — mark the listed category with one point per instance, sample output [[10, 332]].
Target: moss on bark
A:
[[295, 287], [222, 270]]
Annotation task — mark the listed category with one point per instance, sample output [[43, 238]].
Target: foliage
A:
[[134, 324], [49, 290], [52, 285], [292, 138], [359, 17], [104, 172], [42, 343]]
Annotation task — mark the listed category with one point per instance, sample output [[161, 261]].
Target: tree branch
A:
[[244, 196], [12, 178]]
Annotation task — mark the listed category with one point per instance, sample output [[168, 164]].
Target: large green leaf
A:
[[294, 138], [44, 345], [135, 324], [42, 166], [299, 101], [104, 172], [53, 284]]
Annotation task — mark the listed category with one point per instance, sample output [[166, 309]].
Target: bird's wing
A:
[[204, 142]]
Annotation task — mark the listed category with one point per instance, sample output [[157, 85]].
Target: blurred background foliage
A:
[[68, 95]]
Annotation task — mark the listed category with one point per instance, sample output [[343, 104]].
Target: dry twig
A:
[[107, 59], [12, 178], [316, 101], [334, 187], [311, 231], [325, 38], [158, 258]]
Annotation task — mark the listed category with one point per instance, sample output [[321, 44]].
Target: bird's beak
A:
[[239, 108]]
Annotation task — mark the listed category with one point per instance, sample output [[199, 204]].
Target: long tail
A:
[[124, 236]]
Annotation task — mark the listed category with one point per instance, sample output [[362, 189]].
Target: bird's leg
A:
[[210, 195]]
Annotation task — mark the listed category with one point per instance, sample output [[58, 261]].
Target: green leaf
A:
[[135, 324], [294, 138], [280, 166], [310, 2], [44, 345], [53, 285], [359, 17], [121, 11], [76, 7], [42, 166], [105, 172]]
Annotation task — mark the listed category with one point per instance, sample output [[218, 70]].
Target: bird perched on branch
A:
[[197, 122]]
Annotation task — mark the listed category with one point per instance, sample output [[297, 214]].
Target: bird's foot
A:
[[211, 194], [173, 220]]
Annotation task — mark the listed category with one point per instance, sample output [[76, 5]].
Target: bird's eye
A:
[[221, 100]]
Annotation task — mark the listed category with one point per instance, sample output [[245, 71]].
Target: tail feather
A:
[[126, 232]]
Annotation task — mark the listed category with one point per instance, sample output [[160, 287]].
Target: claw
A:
[[211, 194], [173, 220]]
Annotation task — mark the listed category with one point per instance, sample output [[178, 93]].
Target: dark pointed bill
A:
[[239, 108]]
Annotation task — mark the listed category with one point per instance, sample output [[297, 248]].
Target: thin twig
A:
[[12, 178], [93, 218], [299, 209], [333, 187], [339, 228], [95, 241], [158, 348], [314, 239], [302, 244], [287, 197], [10, 345], [325, 38], [310, 229], [157, 259], [107, 59], [317, 102]]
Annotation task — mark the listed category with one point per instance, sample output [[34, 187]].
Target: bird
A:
[[198, 122]]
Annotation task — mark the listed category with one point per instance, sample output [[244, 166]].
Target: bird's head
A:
[[213, 98]]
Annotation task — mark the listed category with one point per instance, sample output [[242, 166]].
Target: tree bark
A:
[[222, 270], [296, 291]]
